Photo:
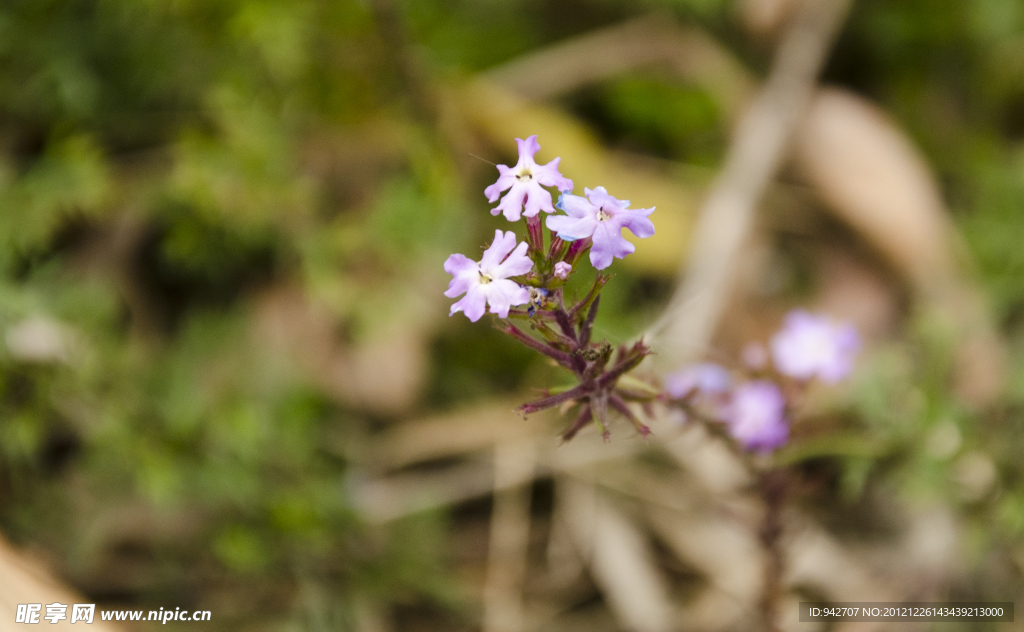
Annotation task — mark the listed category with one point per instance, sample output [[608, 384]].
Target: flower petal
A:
[[505, 180], [537, 200], [464, 271], [512, 204], [503, 294], [472, 304], [515, 264], [458, 264], [502, 245], [577, 206], [599, 196], [549, 176], [571, 228], [608, 243], [527, 149], [636, 221]]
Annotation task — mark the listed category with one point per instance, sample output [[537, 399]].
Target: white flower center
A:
[[524, 176], [485, 278], [603, 215]]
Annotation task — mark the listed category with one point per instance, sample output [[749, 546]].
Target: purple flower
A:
[[602, 217], [703, 379], [487, 281], [811, 346], [562, 270], [756, 416], [525, 183]]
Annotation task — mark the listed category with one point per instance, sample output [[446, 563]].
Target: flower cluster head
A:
[[526, 280], [593, 223], [755, 410]]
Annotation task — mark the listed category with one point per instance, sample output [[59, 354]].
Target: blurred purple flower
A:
[[756, 416], [525, 183], [811, 346], [602, 217], [562, 270], [487, 281], [704, 378]]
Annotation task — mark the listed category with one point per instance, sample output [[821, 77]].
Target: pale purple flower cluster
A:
[[755, 411], [526, 280], [594, 222]]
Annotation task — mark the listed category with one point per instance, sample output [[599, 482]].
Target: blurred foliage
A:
[[167, 164]]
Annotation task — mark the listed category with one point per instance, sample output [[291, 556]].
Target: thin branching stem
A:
[[558, 356], [576, 392], [588, 323], [584, 418]]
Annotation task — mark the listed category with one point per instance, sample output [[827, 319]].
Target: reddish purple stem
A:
[[619, 405], [626, 362], [584, 418], [558, 356], [554, 400], [588, 323]]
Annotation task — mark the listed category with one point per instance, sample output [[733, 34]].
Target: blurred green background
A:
[[222, 224]]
